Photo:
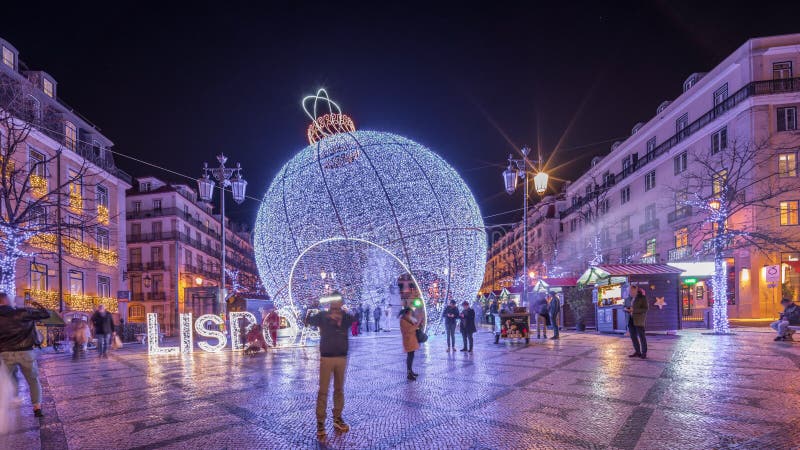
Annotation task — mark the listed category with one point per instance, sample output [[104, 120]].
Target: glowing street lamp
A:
[[715, 204], [519, 168], [226, 177]]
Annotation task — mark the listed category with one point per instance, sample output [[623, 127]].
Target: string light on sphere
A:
[[371, 207]]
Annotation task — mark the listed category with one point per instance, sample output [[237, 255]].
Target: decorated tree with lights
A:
[[32, 191], [732, 194]]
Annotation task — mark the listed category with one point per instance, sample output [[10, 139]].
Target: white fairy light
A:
[[200, 328], [293, 329], [153, 346], [186, 333], [236, 329], [359, 200]]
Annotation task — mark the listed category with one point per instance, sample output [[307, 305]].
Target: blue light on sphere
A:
[[360, 210]]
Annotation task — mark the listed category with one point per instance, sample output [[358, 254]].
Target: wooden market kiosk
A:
[[611, 282]]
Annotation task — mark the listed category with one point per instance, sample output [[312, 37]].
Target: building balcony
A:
[[155, 265], [135, 267], [76, 248], [679, 213], [648, 227], [649, 259], [137, 296], [157, 296], [625, 235], [679, 254]]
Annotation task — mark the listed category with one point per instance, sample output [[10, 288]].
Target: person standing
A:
[[408, 330], [377, 314], [367, 316], [103, 329], [450, 317], [78, 332], [273, 323], [17, 340], [637, 315], [359, 313], [554, 309], [541, 315], [333, 346], [467, 326]]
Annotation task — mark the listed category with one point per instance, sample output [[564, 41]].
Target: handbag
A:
[[117, 343], [421, 336]]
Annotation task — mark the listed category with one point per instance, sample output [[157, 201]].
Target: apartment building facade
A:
[[174, 249], [631, 205], [86, 216], [504, 262]]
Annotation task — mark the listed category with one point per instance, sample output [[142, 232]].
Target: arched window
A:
[[136, 313]]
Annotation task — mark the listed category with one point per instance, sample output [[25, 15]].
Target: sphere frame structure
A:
[[355, 211]]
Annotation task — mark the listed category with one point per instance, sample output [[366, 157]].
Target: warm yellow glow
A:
[[102, 214], [532, 274], [76, 248], [745, 276], [714, 204], [75, 199], [198, 281], [540, 182], [75, 302], [38, 185]]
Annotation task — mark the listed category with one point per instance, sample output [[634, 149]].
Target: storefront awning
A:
[[547, 283], [605, 273]]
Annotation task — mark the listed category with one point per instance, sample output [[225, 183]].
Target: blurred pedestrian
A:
[[255, 340], [367, 316], [17, 339], [377, 313], [333, 345], [542, 315], [450, 318], [79, 333], [467, 326], [637, 316], [554, 308], [103, 329], [273, 323], [408, 330]]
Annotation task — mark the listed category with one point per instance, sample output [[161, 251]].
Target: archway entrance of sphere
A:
[[366, 274]]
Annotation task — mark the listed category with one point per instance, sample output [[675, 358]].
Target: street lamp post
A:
[[521, 168], [226, 177]]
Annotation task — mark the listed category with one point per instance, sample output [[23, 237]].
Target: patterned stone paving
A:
[[695, 391]]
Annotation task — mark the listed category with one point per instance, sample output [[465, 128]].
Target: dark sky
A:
[[177, 85]]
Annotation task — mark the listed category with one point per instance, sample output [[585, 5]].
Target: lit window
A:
[[682, 237], [70, 135], [47, 87], [680, 163], [136, 313], [718, 182], [102, 238], [38, 276], [8, 57], [650, 180], [103, 286], [719, 140], [787, 119], [650, 247], [789, 212], [787, 165], [75, 282]]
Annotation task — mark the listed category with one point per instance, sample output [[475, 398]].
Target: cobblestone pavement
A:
[[695, 391]]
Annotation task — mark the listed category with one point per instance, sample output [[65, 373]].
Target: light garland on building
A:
[[38, 185], [200, 328], [102, 214], [75, 198], [13, 242], [395, 205], [76, 248]]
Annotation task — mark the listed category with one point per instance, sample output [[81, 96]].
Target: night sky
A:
[[175, 86]]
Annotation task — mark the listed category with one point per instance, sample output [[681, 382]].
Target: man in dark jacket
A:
[[377, 313], [789, 317], [637, 315], [450, 315], [103, 329], [333, 325], [467, 326], [554, 309], [17, 339]]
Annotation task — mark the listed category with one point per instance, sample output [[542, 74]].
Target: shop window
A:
[[790, 275], [136, 313]]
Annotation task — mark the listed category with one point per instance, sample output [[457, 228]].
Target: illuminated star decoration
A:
[[660, 302], [369, 207]]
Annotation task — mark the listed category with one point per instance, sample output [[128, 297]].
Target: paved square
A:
[[695, 391]]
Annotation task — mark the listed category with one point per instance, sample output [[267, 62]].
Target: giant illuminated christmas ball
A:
[[374, 215]]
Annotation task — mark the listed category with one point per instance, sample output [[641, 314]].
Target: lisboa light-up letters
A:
[[293, 336]]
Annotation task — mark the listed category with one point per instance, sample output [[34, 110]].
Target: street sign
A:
[[773, 274]]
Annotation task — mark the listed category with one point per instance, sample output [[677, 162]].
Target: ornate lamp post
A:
[[226, 177], [521, 169]]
